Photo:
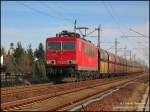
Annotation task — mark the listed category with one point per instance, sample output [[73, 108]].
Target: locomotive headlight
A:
[[48, 62], [71, 62], [51, 62]]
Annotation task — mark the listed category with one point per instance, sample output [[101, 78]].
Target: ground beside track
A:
[[126, 99], [147, 106], [65, 96], [22, 92]]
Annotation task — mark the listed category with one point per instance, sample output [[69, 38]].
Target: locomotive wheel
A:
[[108, 75], [77, 73]]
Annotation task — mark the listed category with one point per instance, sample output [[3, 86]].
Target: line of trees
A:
[[23, 60]]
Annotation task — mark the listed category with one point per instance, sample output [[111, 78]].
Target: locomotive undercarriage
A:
[[70, 73]]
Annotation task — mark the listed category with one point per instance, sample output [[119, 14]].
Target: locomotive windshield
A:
[[61, 46], [54, 45], [68, 45]]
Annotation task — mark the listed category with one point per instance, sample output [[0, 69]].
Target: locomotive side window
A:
[[68, 45], [89, 50], [54, 46]]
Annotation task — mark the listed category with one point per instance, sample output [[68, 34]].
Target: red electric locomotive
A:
[[67, 55]]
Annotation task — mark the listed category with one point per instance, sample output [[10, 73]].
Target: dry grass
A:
[[136, 96], [126, 99]]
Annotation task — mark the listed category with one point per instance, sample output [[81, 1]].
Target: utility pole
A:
[[98, 30], [130, 55], [75, 23], [85, 32], [134, 57], [125, 52], [116, 46]]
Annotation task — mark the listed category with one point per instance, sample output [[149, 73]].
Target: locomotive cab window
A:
[[68, 45], [54, 45]]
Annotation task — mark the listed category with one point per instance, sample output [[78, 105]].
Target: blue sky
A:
[[34, 21]]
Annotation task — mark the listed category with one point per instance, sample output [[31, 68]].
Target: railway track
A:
[[20, 89], [64, 97], [21, 92], [7, 93], [41, 89], [81, 105], [9, 90]]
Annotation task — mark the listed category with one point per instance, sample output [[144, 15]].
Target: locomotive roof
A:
[[73, 35], [67, 36]]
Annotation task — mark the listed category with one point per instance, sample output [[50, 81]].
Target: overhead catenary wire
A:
[[56, 12], [91, 32], [141, 35], [144, 36], [110, 47], [116, 22], [41, 12], [113, 10]]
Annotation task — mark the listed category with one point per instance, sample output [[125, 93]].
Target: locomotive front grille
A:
[[54, 62]]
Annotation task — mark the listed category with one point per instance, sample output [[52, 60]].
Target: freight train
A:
[[69, 55]]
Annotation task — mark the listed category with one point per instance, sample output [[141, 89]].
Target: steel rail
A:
[[44, 97]]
